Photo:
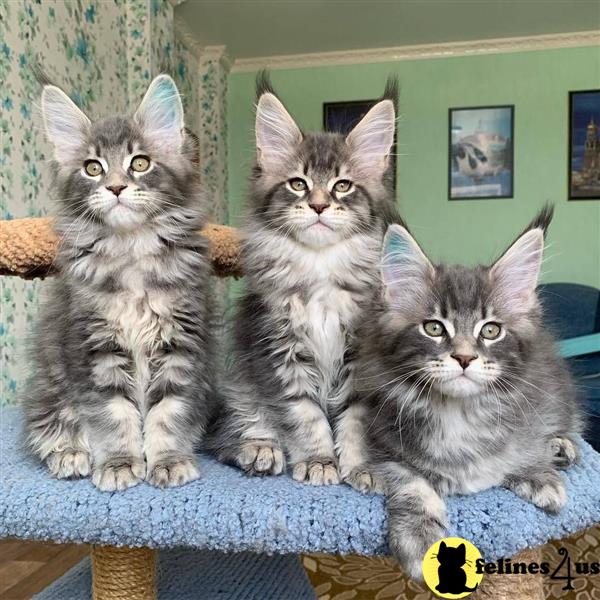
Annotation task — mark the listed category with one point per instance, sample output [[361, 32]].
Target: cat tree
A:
[[227, 511]]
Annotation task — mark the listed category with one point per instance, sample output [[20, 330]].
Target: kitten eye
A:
[[490, 331], [434, 328], [298, 185], [140, 163], [93, 168], [343, 185]]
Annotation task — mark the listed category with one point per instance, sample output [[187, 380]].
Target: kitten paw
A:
[[119, 474], [71, 463], [320, 471], [410, 543], [545, 490], [173, 472], [261, 458], [564, 451], [364, 481]]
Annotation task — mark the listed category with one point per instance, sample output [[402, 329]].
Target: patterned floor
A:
[[368, 578]]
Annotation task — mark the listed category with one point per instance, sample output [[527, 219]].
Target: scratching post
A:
[[509, 587], [123, 573], [28, 248]]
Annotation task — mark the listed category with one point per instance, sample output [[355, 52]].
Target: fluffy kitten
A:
[[463, 388], [122, 356], [319, 205]]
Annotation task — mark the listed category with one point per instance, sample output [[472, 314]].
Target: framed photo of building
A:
[[342, 117], [480, 152], [584, 145]]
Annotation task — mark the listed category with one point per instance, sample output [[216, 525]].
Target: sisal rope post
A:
[[123, 573], [513, 587]]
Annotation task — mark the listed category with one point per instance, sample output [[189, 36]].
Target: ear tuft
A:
[[515, 275], [66, 126], [277, 134], [161, 113], [406, 271], [372, 139]]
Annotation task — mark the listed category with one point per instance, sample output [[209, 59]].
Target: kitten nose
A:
[[116, 189], [318, 207], [464, 360]]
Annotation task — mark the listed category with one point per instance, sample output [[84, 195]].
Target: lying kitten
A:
[[122, 355], [319, 205], [463, 389]]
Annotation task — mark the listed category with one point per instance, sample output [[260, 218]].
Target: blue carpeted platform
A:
[[226, 510], [191, 575]]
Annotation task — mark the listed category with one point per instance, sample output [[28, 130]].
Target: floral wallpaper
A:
[[103, 53]]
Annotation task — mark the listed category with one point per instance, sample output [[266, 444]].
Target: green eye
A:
[[93, 168], [491, 331], [298, 185], [343, 185], [140, 163], [434, 328]]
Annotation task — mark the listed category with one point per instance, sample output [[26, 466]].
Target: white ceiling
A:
[[257, 28]]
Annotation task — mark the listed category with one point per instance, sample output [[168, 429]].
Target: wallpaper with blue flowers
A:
[[103, 53]]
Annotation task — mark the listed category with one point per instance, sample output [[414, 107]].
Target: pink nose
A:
[[464, 360], [116, 189], [317, 207]]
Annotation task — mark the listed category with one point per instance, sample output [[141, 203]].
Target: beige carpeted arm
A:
[[28, 248]]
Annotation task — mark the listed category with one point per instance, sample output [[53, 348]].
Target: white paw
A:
[[364, 481], [316, 472], [118, 474], [173, 472], [261, 458], [547, 491], [564, 452], [69, 464]]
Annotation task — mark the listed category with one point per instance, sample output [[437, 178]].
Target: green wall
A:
[[467, 231]]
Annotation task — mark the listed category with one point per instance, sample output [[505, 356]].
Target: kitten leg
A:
[[114, 422], [169, 443], [311, 447], [351, 448], [178, 400], [565, 452], [417, 516], [116, 441], [545, 489]]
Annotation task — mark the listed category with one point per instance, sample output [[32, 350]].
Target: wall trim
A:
[[420, 51]]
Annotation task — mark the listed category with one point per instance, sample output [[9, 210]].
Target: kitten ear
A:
[[515, 275], [65, 124], [372, 139], [442, 545], [161, 114], [276, 132], [405, 271]]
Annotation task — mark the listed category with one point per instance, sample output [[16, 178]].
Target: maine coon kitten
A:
[[463, 388], [319, 204], [122, 357]]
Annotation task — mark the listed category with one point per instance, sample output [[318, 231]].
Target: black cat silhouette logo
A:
[[449, 568]]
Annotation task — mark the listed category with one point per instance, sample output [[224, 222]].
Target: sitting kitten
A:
[[319, 205], [463, 388], [121, 388]]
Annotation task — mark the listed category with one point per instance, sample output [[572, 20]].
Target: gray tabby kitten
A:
[[121, 389], [463, 388], [319, 206]]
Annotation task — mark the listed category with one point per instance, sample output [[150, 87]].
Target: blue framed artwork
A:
[[480, 152], [584, 145]]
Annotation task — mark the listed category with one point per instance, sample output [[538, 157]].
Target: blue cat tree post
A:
[[225, 511]]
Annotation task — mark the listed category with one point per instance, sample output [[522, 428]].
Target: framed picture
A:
[[480, 152], [584, 145], [344, 116]]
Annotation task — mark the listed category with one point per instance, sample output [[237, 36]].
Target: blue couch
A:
[[573, 312]]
